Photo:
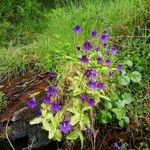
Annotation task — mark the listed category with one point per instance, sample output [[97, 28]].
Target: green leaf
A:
[[75, 119], [123, 122], [119, 112], [127, 98], [57, 118], [81, 139], [86, 108], [46, 125], [135, 76], [84, 121], [58, 135], [124, 80], [51, 134], [107, 104], [73, 135], [129, 63], [36, 120], [105, 116]]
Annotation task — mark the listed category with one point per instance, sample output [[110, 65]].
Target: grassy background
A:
[[47, 40]]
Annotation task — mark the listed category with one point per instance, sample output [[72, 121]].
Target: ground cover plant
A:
[[99, 54]]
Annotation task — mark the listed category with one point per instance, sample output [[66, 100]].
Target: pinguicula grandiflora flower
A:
[[65, 126], [116, 146], [88, 131], [39, 113], [55, 107], [94, 33], [113, 50], [100, 85], [51, 74], [83, 97], [108, 62], [52, 91], [119, 67], [94, 74], [84, 59], [87, 45], [110, 73], [99, 60], [91, 84], [32, 103], [91, 102], [77, 29], [104, 38], [97, 48], [88, 72], [47, 100]]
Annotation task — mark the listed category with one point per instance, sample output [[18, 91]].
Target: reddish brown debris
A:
[[19, 89]]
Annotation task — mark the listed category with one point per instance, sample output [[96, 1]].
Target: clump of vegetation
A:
[[94, 80], [3, 101]]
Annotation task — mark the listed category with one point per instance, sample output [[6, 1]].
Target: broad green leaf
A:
[[119, 112], [129, 63], [107, 104], [49, 116], [123, 122], [127, 98], [75, 119], [84, 121], [81, 138], [51, 134], [71, 109], [36, 120], [73, 135], [57, 118], [135, 76], [44, 112], [124, 80], [58, 135], [47, 125], [86, 108], [105, 116]]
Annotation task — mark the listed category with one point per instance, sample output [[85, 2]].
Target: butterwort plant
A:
[[95, 81]]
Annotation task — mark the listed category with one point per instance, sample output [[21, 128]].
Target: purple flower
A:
[[87, 45], [100, 85], [91, 102], [83, 97], [94, 33], [52, 74], [97, 48], [52, 91], [116, 146], [113, 50], [108, 62], [88, 131], [78, 48], [47, 100], [56, 107], [110, 74], [84, 59], [99, 60], [39, 113], [88, 72], [91, 85], [104, 38], [94, 74], [77, 29], [32, 103], [65, 126], [119, 67]]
